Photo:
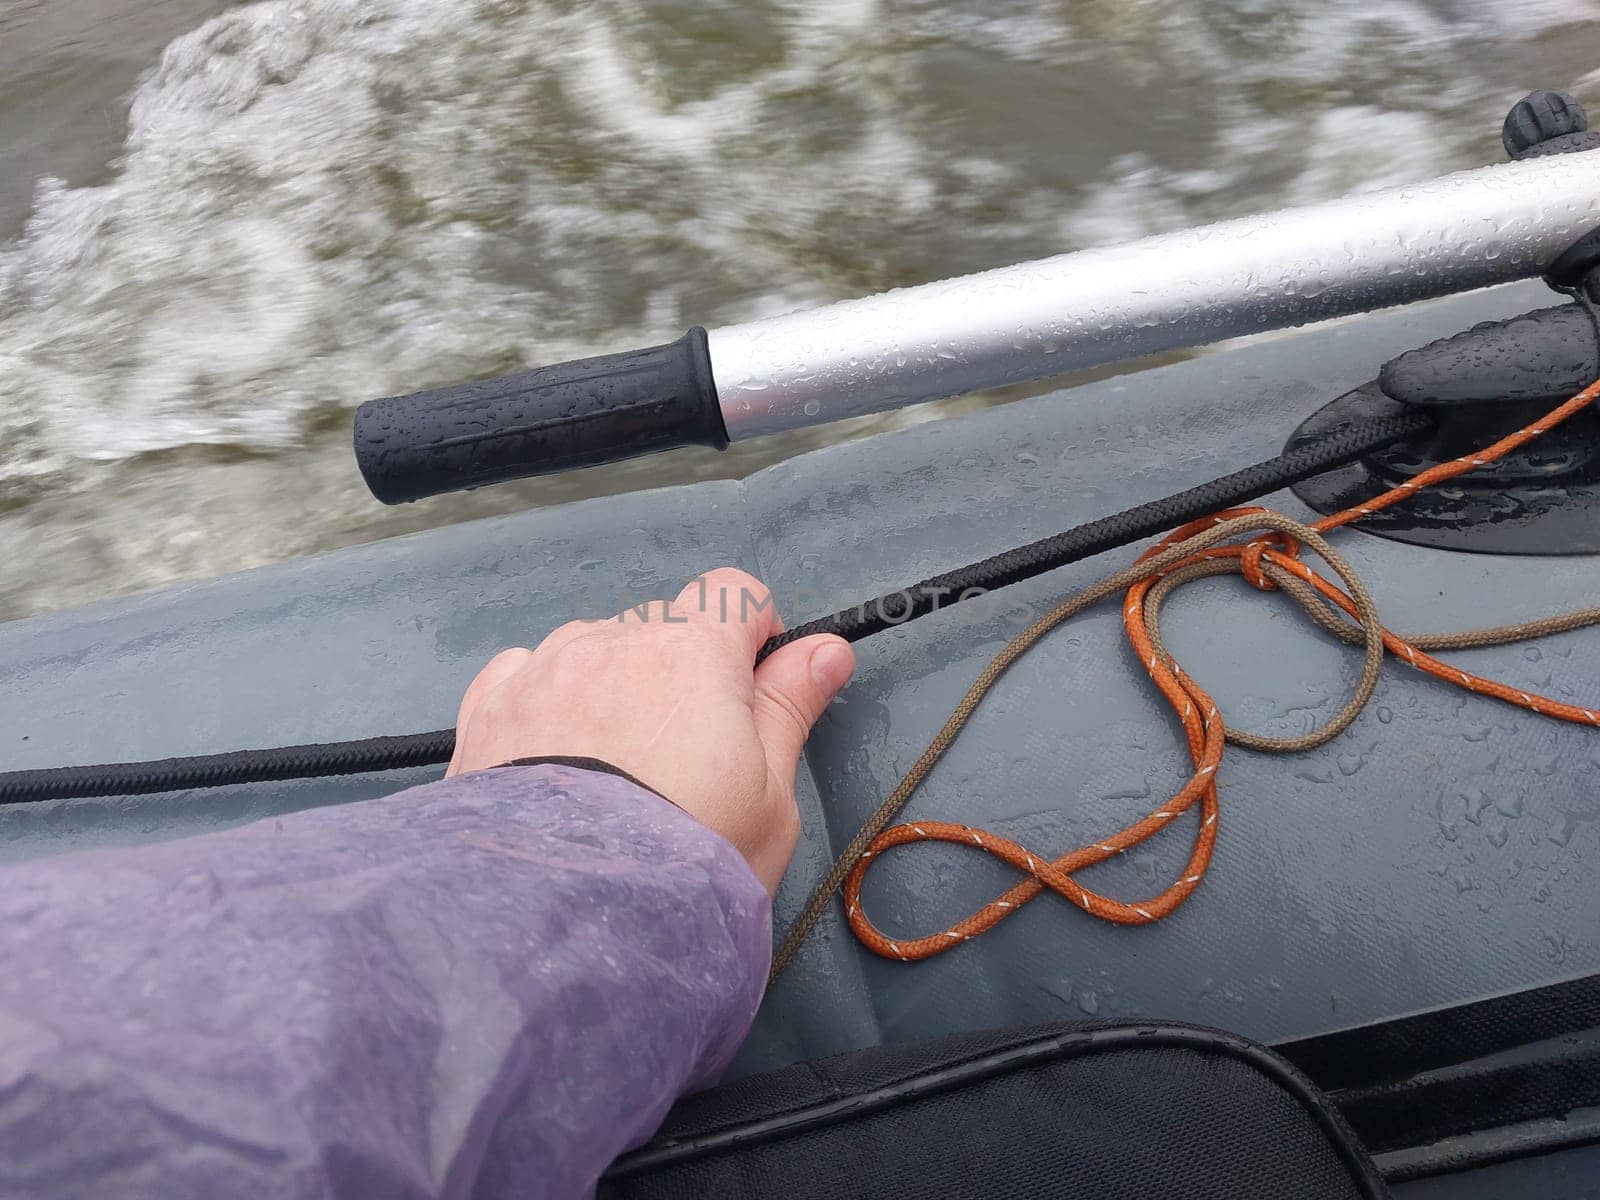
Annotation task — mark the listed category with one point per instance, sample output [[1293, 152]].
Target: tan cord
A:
[[1193, 552]]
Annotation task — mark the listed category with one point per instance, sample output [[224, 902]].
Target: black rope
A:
[[232, 767], [1324, 453]]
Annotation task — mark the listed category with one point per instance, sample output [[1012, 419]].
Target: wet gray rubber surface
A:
[[1441, 850]]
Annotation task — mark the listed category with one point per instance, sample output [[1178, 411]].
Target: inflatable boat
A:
[[1408, 914]]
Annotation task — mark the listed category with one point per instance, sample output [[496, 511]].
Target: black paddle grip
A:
[[557, 418]]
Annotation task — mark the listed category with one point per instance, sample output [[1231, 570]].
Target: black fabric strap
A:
[[1547, 1079], [1371, 1054], [1467, 1086]]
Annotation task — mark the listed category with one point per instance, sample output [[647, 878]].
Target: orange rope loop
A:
[[1189, 552]]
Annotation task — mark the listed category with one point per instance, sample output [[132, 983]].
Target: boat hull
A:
[[1438, 852]]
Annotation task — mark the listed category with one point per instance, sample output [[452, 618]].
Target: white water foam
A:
[[320, 201], [324, 200]]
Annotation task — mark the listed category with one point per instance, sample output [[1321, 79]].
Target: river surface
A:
[[222, 226]]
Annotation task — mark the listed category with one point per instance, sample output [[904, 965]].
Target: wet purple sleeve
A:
[[486, 987]]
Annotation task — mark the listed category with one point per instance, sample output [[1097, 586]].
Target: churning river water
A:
[[224, 225]]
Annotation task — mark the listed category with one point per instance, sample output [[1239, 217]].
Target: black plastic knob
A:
[[1541, 117], [1539, 357]]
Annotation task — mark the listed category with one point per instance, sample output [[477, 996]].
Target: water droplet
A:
[[1557, 947], [1561, 829], [1509, 806]]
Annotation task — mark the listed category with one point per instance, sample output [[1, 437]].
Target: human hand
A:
[[667, 693]]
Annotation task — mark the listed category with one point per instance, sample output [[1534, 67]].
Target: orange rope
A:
[[1202, 726]]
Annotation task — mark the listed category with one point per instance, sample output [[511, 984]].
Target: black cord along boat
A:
[[1399, 931]]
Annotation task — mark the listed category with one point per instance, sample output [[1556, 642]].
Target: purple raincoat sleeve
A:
[[488, 987]]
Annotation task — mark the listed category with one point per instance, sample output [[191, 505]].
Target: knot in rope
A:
[[1250, 558], [1194, 551]]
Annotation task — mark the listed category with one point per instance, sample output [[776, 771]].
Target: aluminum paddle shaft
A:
[[1464, 231], [1178, 290]]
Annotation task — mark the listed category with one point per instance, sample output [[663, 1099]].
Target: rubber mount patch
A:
[[1543, 500]]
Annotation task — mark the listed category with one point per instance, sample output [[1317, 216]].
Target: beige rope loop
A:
[[1262, 565], [1369, 631], [879, 820]]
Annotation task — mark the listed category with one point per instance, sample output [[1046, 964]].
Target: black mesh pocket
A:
[[1146, 1112]]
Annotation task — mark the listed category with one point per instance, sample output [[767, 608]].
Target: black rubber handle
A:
[[573, 414]]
